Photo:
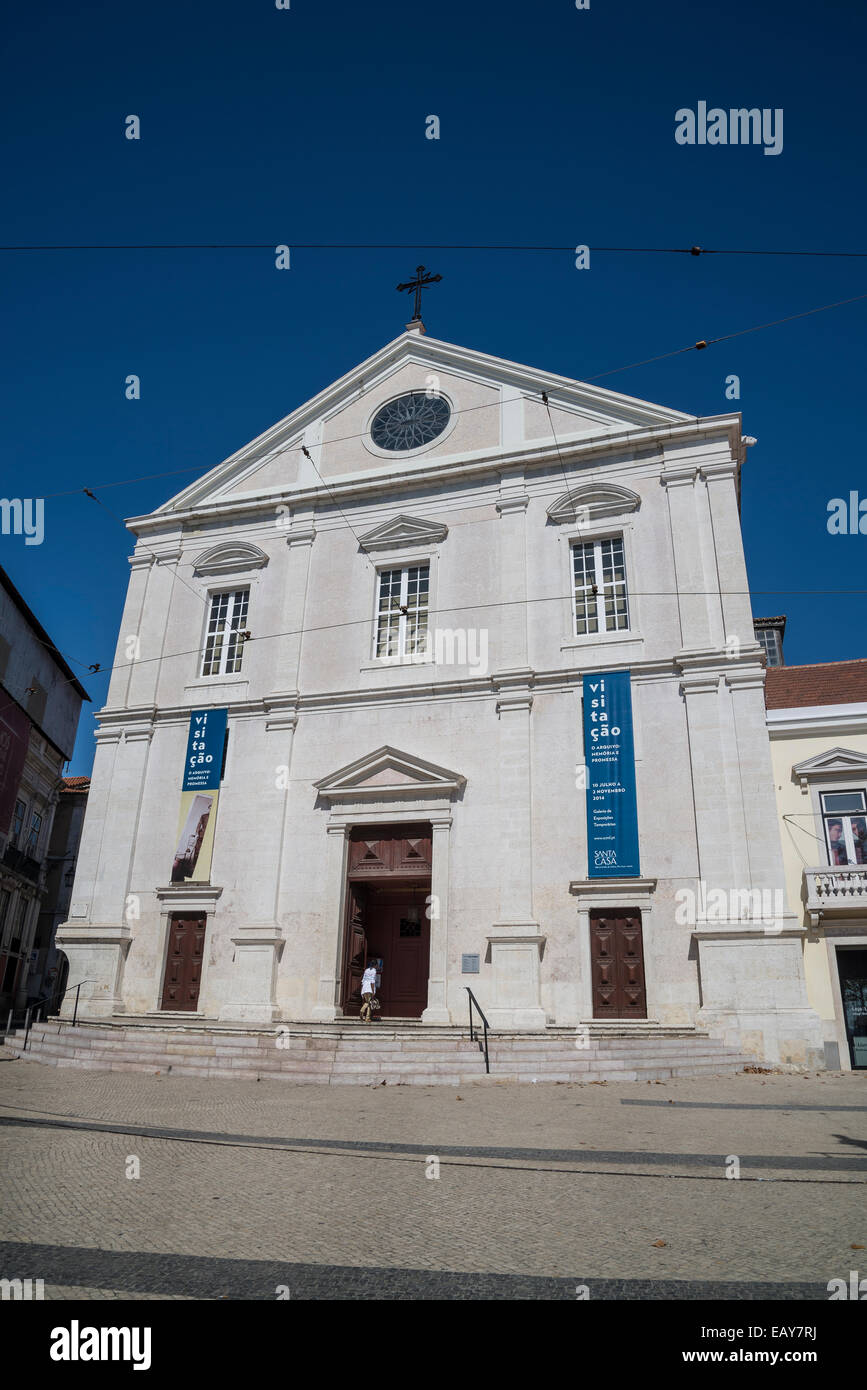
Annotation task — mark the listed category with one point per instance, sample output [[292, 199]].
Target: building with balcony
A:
[[49, 967], [353, 716], [817, 721], [40, 703]]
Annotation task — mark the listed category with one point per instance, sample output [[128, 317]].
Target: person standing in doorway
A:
[[368, 992]]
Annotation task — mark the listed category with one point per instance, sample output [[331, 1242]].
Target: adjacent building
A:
[[49, 970], [369, 672], [40, 703], [817, 721]]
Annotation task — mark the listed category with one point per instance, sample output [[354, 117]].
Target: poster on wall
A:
[[194, 841], [609, 756]]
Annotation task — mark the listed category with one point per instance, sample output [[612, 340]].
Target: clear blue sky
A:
[[308, 125]]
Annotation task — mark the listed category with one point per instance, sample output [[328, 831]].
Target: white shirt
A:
[[368, 980]]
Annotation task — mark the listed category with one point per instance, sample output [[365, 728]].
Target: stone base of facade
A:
[[754, 994], [325, 1013], [97, 955], [515, 952], [517, 1019], [249, 1013], [787, 1038], [436, 1015]]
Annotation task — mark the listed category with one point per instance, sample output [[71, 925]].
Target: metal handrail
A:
[[32, 1009], [473, 1000], [28, 1017], [77, 988]]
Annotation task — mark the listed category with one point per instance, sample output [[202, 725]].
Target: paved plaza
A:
[[267, 1190]]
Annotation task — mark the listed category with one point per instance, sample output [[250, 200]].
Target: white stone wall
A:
[[309, 703]]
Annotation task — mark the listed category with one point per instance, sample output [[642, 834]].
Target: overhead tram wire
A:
[[156, 557], [422, 246], [677, 352], [472, 608], [726, 337]]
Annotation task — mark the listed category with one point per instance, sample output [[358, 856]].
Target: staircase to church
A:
[[397, 1053]]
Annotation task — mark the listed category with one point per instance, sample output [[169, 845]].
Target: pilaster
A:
[[333, 889], [437, 1010]]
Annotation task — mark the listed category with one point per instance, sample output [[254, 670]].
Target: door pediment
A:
[[387, 774]]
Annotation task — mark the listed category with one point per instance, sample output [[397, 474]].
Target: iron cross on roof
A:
[[421, 281]]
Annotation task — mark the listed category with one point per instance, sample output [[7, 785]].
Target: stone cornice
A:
[[724, 469], [283, 708], [516, 502], [611, 887], [681, 476], [188, 895], [817, 719], [534, 455]]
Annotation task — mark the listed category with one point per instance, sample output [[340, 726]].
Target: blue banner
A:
[[204, 760], [609, 755]]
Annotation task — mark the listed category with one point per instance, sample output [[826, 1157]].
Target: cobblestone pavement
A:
[[264, 1190]]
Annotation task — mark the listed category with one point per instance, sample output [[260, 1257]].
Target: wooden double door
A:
[[617, 965], [184, 956], [387, 918]]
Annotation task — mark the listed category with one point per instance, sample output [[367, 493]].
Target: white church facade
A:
[[391, 608]]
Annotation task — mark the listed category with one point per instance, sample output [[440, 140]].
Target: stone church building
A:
[[392, 607]]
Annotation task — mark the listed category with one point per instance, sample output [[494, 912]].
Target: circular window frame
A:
[[373, 448]]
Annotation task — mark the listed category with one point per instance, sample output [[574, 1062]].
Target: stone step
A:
[[71, 1042], [399, 1076], [281, 1060], [355, 1054]]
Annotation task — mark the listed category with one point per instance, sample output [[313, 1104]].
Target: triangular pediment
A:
[[496, 410], [403, 530], [592, 501], [834, 761], [387, 772]]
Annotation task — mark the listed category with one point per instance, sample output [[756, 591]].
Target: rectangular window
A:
[[599, 570], [33, 835], [402, 611], [844, 815], [224, 643], [17, 822], [769, 639]]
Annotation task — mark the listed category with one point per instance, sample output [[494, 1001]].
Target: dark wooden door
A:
[[186, 951], [617, 964], [399, 932], [355, 949], [383, 850]]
